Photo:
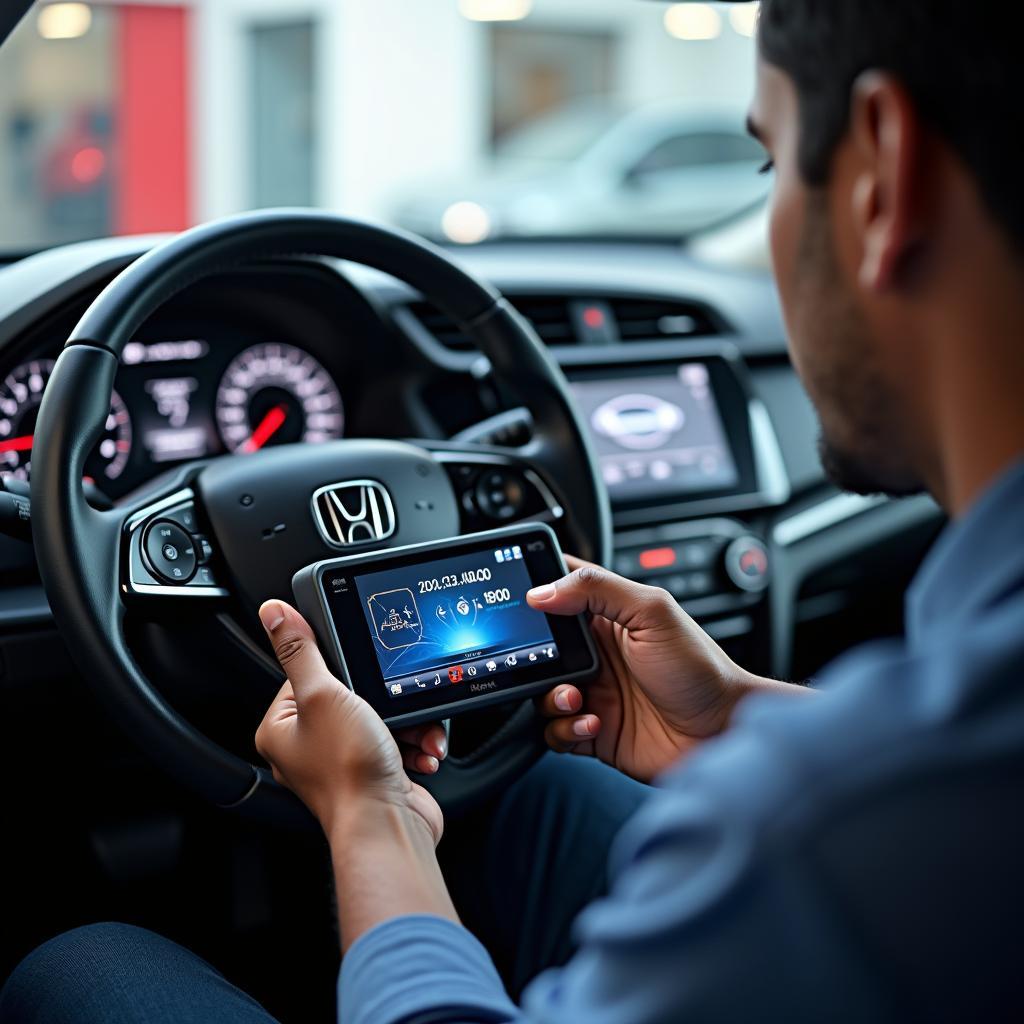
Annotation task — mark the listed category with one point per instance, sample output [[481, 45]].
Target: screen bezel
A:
[[355, 654], [732, 400]]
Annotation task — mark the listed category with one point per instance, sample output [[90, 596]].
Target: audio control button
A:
[[170, 552]]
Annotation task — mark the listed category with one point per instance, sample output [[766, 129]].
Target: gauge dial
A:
[[21, 392], [277, 394]]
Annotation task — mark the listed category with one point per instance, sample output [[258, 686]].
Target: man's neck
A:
[[977, 405]]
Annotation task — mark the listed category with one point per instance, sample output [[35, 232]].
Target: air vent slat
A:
[[650, 320], [553, 317]]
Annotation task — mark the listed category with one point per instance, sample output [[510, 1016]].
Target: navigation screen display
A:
[[658, 435], [454, 620]]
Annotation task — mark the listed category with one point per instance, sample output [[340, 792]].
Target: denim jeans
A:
[[519, 871]]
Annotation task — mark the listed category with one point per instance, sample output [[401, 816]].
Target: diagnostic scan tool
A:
[[429, 630]]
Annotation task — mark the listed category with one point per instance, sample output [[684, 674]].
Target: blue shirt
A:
[[858, 857]]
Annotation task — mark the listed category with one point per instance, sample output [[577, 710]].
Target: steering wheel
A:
[[256, 513]]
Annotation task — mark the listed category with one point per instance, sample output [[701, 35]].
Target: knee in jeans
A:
[[51, 975]]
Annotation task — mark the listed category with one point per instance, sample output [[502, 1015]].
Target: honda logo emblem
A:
[[353, 512]]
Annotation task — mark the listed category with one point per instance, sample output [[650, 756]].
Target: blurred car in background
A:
[[588, 170]]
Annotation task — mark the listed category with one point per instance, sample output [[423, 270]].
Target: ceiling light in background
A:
[[466, 223], [693, 22], [64, 21], [743, 19], [495, 10]]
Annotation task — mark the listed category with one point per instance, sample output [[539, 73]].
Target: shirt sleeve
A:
[[716, 911], [421, 968]]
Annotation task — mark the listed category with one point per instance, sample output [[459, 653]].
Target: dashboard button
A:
[[699, 583], [678, 586], [651, 559], [170, 551], [696, 554], [746, 562]]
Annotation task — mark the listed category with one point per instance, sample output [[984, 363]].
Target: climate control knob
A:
[[746, 563]]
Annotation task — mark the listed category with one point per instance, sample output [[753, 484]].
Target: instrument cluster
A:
[[176, 400]]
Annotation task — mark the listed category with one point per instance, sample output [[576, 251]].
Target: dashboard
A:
[[705, 438], [189, 387], [177, 400]]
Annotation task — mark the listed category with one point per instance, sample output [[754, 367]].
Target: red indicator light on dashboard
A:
[[593, 317], [657, 558]]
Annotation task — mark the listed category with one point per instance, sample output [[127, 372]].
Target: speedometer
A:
[[21, 393], [277, 394]]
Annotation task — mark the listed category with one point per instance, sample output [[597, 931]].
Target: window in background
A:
[[539, 71], [57, 97], [597, 119], [282, 107], [93, 114], [699, 149]]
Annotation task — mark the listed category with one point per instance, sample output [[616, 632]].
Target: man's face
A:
[[834, 339]]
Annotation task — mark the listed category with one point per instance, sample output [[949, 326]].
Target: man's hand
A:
[[664, 684], [329, 746]]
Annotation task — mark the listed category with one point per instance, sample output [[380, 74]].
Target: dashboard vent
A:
[[559, 319], [649, 320], [549, 314], [550, 317]]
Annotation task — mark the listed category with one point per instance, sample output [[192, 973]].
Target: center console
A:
[[690, 459]]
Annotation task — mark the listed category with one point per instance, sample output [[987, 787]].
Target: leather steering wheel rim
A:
[[78, 548]]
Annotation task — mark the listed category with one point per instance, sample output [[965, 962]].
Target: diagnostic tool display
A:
[[433, 628]]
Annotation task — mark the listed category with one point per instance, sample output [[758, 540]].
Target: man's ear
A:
[[886, 137]]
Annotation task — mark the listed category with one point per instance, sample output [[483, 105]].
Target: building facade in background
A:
[[126, 118]]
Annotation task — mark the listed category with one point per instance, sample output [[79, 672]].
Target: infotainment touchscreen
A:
[[658, 435], [430, 629]]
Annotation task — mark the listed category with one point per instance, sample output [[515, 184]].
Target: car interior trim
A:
[[823, 516]]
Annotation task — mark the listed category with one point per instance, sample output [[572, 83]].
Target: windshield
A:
[[464, 120]]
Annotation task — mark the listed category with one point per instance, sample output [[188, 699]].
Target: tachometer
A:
[[277, 394], [21, 392]]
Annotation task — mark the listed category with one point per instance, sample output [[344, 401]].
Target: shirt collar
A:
[[974, 562]]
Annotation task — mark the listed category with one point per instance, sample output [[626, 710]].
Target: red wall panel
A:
[[152, 120]]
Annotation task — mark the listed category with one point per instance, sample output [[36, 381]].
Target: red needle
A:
[[269, 426], [17, 444]]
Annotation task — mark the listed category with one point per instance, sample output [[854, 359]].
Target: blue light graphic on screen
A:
[[439, 613]]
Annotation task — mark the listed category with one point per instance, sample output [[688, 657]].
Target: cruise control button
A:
[[170, 551]]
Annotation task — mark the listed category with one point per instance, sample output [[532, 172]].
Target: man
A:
[[851, 854]]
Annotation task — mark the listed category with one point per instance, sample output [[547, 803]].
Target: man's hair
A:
[[960, 62]]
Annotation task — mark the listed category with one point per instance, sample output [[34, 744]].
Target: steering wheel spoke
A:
[[496, 487], [166, 551]]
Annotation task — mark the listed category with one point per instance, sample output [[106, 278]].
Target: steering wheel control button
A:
[[204, 549], [204, 577], [184, 517], [746, 562], [500, 494], [170, 551]]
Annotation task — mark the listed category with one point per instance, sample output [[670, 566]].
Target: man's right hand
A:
[[664, 684]]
